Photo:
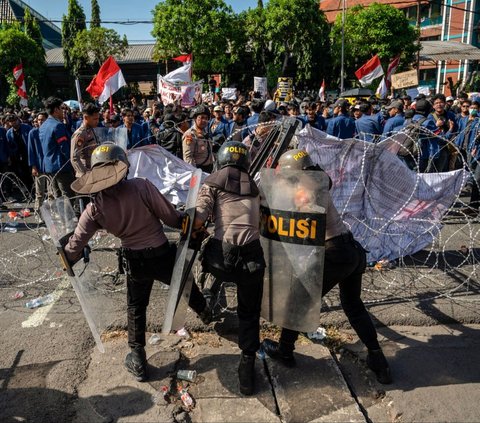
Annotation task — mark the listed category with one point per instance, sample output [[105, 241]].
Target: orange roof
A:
[[333, 7]]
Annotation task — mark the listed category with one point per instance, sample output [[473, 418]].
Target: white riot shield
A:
[[292, 228], [118, 136], [91, 288]]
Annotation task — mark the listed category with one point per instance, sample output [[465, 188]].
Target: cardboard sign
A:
[[405, 79]]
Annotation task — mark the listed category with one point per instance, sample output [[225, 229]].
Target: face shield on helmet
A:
[[296, 160]]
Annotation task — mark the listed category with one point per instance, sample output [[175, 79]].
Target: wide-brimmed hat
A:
[[100, 178], [109, 166]]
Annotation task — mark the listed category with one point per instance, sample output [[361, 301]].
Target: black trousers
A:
[[249, 303], [141, 273], [345, 262]]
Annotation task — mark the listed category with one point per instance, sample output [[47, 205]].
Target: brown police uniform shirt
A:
[[197, 148], [132, 210], [83, 144], [236, 217]]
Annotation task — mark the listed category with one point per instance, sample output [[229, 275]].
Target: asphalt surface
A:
[[45, 353]]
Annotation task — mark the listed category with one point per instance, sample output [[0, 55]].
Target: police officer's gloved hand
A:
[[197, 237]]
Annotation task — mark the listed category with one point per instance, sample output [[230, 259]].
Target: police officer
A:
[[234, 253], [345, 262], [147, 254], [197, 145], [84, 140]]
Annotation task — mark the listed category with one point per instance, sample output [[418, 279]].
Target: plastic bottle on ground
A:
[[40, 301]]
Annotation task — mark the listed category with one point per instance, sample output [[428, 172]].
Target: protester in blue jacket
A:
[[396, 120], [314, 119], [35, 161], [427, 137], [218, 126], [136, 136], [55, 143], [342, 125], [367, 127], [17, 137]]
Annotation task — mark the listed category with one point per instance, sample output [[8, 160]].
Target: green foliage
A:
[[297, 33], [95, 46], [205, 28], [377, 29], [16, 47], [95, 20], [72, 23], [32, 28]]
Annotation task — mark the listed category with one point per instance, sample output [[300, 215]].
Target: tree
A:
[[377, 29], [95, 21], [16, 47], [202, 27], [95, 46], [72, 24], [297, 33], [32, 28]]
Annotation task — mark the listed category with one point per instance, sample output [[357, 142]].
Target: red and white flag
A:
[[107, 81], [321, 92], [369, 71], [20, 83], [392, 68], [185, 58]]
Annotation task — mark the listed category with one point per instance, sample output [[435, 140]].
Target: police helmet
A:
[[200, 110], [108, 153], [296, 160], [233, 153]]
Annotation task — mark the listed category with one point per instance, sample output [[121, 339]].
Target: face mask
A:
[[473, 112]]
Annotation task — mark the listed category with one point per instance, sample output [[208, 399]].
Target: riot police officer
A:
[[345, 262], [197, 144], [234, 254], [146, 252]]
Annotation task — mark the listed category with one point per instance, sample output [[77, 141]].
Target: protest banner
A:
[[405, 79], [260, 86], [284, 90]]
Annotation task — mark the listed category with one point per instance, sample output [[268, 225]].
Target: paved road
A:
[[45, 354]]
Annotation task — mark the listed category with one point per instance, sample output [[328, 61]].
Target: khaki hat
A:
[[218, 109], [109, 166], [100, 178]]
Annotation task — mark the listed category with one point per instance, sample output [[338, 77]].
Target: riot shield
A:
[[88, 281], [118, 136], [292, 228], [181, 283]]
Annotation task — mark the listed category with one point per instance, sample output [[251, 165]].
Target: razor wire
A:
[[447, 268]]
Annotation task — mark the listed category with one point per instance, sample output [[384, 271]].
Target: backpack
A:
[[410, 144]]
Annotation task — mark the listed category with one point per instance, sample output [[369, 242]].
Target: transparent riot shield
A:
[[100, 304], [292, 228], [118, 136]]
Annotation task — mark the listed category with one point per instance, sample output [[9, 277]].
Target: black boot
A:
[[378, 364], [246, 374], [274, 350], [136, 364]]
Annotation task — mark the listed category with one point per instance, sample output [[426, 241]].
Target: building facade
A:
[[14, 10], [440, 20]]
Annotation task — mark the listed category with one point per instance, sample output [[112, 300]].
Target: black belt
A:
[[145, 253], [342, 239]]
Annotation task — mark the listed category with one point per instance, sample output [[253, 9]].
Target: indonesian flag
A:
[[369, 71], [392, 68], [185, 58], [20, 83], [107, 81], [321, 92]]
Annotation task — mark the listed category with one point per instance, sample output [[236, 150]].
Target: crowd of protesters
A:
[[37, 144]]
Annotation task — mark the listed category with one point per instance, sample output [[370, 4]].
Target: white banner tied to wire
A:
[[391, 210]]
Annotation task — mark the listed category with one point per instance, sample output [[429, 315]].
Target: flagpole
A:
[[342, 69], [111, 105]]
